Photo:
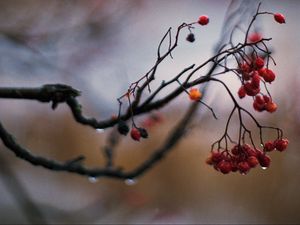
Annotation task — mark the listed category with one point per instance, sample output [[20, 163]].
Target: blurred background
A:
[[100, 47]]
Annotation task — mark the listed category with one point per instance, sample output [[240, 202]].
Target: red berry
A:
[[234, 167], [235, 150], [264, 160], [266, 98], [261, 72], [281, 144], [252, 161], [269, 146], [255, 82], [250, 90], [216, 157], [279, 18], [259, 99], [135, 134], [258, 107], [259, 63], [246, 147], [259, 103], [245, 68], [254, 37], [268, 75], [224, 166], [242, 92], [243, 167], [271, 107], [209, 161], [250, 151], [203, 20], [246, 76], [259, 153]]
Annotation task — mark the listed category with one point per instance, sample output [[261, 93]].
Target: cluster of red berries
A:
[[254, 71], [251, 75], [279, 144], [263, 102], [242, 158]]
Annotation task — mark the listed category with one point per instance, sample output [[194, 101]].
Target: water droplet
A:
[[98, 130], [264, 168], [93, 179], [130, 182], [261, 145]]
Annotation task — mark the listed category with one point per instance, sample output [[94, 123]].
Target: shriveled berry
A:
[[203, 20], [143, 132], [123, 128], [279, 18], [281, 144], [135, 134], [190, 37]]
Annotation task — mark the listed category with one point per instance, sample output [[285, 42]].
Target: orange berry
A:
[[271, 107], [195, 94], [259, 62]]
